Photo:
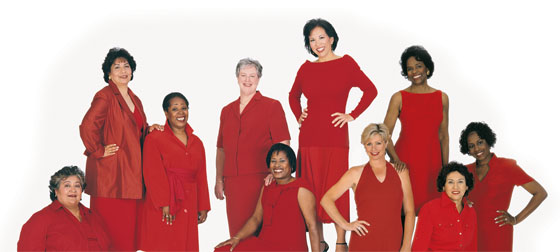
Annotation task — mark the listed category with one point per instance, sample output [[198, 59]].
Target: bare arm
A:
[[408, 205], [539, 194], [393, 112], [306, 201], [219, 188], [444, 130]]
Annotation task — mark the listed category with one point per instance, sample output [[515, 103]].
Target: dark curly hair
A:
[[482, 130], [458, 167], [420, 54], [280, 147], [113, 54], [167, 100], [319, 22], [63, 174]]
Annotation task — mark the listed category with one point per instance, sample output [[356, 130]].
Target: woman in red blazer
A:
[[112, 131], [177, 198]]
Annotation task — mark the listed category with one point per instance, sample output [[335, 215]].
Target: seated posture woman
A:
[[447, 223], [495, 179], [177, 198], [65, 224], [380, 193], [284, 209]]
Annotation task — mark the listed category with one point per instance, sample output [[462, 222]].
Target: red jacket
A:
[[110, 121]]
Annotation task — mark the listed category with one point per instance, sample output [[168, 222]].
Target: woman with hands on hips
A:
[[380, 193], [177, 197], [112, 131], [495, 178], [284, 210], [326, 83]]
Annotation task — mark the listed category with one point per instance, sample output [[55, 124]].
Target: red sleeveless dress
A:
[[379, 203], [418, 144]]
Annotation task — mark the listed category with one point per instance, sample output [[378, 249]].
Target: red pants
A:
[[119, 216], [242, 193]]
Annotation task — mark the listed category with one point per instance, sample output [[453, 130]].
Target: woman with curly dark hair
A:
[[495, 178], [448, 223]]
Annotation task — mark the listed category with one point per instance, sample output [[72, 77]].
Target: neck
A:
[[377, 162], [485, 161], [177, 131], [245, 98], [419, 88], [74, 209], [459, 205], [330, 56], [284, 181], [122, 88]]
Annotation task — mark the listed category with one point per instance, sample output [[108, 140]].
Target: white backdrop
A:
[[496, 61]]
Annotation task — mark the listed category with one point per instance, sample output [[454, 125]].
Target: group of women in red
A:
[[149, 188]]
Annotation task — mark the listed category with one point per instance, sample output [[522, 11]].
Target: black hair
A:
[[458, 167], [420, 54], [280, 147], [482, 130], [62, 174], [170, 96], [113, 54], [318, 22]]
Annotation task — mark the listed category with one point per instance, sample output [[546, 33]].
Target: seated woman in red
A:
[[448, 223], [284, 209], [65, 224]]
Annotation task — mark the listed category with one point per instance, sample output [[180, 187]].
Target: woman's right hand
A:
[[302, 116], [358, 226], [399, 165], [233, 241], [110, 150], [166, 216]]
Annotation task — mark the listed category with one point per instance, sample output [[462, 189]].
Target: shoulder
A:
[[444, 98], [356, 170], [105, 92], [229, 106], [154, 137], [42, 217]]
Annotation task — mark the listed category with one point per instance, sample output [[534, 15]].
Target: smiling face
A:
[[455, 186], [320, 42], [248, 79], [69, 192], [375, 147], [478, 148], [121, 73], [177, 113], [280, 166], [416, 71]]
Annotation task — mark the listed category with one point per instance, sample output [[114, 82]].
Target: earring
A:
[[109, 77]]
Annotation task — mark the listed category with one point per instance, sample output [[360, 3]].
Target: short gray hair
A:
[[248, 62], [62, 174]]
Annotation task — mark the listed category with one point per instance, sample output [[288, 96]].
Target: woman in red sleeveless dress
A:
[[423, 144], [284, 209], [380, 193]]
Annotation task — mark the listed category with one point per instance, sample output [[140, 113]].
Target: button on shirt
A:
[[441, 227]]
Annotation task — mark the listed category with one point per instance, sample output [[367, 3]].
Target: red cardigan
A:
[[110, 121]]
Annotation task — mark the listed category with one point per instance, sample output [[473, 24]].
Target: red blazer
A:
[[110, 121], [55, 229]]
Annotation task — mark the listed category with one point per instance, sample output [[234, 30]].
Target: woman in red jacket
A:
[[326, 84], [112, 131], [65, 224], [495, 178]]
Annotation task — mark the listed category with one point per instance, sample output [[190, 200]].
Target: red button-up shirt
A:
[[247, 137], [54, 228], [441, 227]]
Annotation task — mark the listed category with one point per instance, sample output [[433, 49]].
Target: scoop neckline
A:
[[343, 56]]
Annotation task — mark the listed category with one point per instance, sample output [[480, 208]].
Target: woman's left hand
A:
[[505, 218], [155, 126], [341, 119], [202, 216]]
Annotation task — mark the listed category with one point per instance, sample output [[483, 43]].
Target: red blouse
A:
[[54, 228], [326, 85], [247, 137], [441, 228]]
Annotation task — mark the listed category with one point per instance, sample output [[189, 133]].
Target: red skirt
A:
[[322, 167], [119, 216], [242, 194]]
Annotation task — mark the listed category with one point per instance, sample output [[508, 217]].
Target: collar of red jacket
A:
[[55, 205], [115, 89], [447, 202], [256, 97]]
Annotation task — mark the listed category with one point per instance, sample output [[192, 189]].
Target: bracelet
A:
[[235, 237], [515, 220]]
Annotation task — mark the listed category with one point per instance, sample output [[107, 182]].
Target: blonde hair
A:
[[375, 128]]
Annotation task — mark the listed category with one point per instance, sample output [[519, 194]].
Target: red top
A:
[[379, 203], [494, 193], [54, 228], [326, 86], [110, 121], [441, 227], [175, 176], [247, 137]]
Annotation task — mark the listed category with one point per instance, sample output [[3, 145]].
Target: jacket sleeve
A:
[[202, 182], [360, 80], [91, 129], [155, 177], [277, 123], [33, 236], [424, 230]]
